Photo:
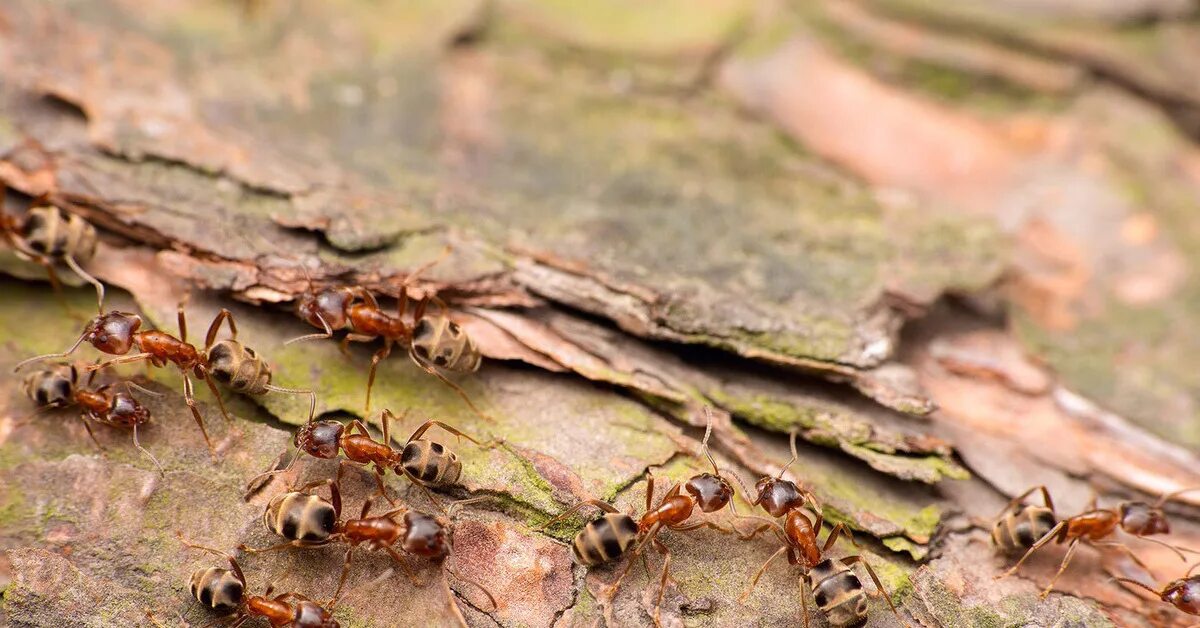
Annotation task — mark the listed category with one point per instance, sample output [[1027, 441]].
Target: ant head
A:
[[712, 492], [128, 411], [113, 332], [310, 614], [777, 496], [327, 307], [319, 439], [425, 535], [1142, 519], [1184, 595]]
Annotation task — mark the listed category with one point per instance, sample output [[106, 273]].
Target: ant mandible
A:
[[433, 341], [224, 590], [45, 234], [307, 520], [59, 387], [608, 538], [424, 462], [1135, 518], [117, 333]]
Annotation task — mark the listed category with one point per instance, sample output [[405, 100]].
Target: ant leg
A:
[[1049, 536], [328, 333], [1178, 549], [702, 524], [181, 316], [190, 398], [257, 482], [662, 582], [605, 506], [377, 357], [212, 387], [1062, 567], [1020, 498], [88, 427], [419, 483], [1125, 549], [804, 600], [461, 393], [759, 573], [70, 260], [233, 563], [428, 424], [399, 558], [281, 546], [850, 560], [222, 316], [337, 593], [838, 530]]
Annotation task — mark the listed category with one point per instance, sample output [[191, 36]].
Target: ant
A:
[[1136, 518], [59, 387], [608, 538], [308, 520], [46, 234], [117, 333], [1182, 593], [244, 371], [424, 462], [224, 591], [837, 590], [433, 341]]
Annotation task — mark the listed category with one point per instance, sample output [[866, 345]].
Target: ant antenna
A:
[[149, 455], [312, 397], [795, 456], [1138, 584], [38, 358], [1168, 496], [704, 443], [70, 259]]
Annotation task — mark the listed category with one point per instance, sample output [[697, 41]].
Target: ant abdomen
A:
[[839, 593], [51, 232], [239, 367], [300, 516], [431, 463], [52, 387], [218, 589], [443, 343], [604, 539], [1021, 527]]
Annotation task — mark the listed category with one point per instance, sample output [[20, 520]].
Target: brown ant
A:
[[46, 234], [308, 520], [1136, 518], [1183, 593], [424, 462], [224, 590], [837, 590], [117, 333], [433, 341], [59, 387], [608, 538]]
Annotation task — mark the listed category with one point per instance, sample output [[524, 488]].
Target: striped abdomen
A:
[[239, 367], [604, 539], [443, 343], [431, 463], [1018, 529], [838, 593], [300, 517], [216, 588], [54, 386], [51, 232]]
